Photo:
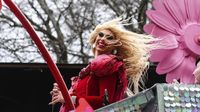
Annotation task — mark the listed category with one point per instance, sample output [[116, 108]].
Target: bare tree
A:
[[130, 8], [60, 23], [64, 27]]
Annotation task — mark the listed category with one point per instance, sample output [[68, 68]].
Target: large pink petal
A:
[[163, 21], [191, 9], [175, 11], [172, 60], [149, 28], [159, 6], [155, 30], [181, 5], [183, 72], [167, 42], [197, 4], [165, 45], [197, 9], [159, 55], [187, 68], [174, 74]]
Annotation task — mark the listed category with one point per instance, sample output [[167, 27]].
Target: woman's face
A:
[[104, 43]]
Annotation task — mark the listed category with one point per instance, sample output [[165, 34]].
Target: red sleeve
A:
[[104, 83], [105, 65]]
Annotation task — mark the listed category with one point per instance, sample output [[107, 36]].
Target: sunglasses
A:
[[108, 37]]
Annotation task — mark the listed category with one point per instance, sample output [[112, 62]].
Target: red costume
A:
[[104, 72]]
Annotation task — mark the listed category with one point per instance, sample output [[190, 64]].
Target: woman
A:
[[121, 56]]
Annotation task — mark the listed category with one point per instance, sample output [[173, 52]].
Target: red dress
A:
[[104, 72]]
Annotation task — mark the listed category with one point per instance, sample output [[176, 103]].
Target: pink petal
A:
[[159, 5], [159, 55], [175, 10], [163, 21], [197, 4], [155, 30], [191, 10], [167, 42], [183, 72], [181, 5], [173, 60], [165, 45], [187, 68], [174, 74]]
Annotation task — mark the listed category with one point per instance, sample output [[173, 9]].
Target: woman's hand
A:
[[56, 95]]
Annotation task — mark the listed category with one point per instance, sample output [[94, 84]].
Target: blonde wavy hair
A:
[[134, 49]]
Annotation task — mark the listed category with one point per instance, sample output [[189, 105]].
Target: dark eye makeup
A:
[[109, 37]]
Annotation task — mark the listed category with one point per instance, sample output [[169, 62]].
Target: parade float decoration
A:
[[176, 23]]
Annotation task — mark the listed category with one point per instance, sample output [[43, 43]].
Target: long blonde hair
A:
[[134, 49]]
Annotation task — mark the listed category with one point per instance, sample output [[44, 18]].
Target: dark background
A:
[[26, 87]]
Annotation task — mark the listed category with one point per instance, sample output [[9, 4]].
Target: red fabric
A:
[[83, 107], [0, 5], [104, 72]]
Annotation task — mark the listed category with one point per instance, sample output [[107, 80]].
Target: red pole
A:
[[0, 5], [53, 68]]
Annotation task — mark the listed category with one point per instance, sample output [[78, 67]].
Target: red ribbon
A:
[[52, 66]]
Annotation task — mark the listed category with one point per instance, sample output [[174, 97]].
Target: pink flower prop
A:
[[177, 24]]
